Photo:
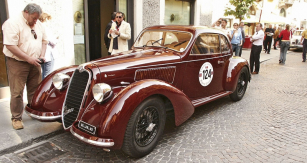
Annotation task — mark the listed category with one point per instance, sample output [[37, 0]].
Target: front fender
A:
[[235, 65], [120, 109], [47, 101]]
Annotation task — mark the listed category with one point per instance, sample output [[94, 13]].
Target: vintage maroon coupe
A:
[[120, 101]]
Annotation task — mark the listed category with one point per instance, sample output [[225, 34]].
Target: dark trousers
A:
[[255, 58], [267, 44], [241, 49], [304, 49]]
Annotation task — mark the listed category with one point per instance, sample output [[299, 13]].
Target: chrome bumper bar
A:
[[50, 118], [97, 143]]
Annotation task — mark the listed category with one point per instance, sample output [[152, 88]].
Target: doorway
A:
[[97, 24], [4, 89]]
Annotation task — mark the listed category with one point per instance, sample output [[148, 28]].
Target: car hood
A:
[[137, 59]]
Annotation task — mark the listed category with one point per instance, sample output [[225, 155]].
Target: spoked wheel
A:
[[241, 85], [144, 128]]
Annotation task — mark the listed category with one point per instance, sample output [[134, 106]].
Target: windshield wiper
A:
[[180, 43], [157, 41]]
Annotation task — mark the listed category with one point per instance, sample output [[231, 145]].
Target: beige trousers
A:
[[20, 74]]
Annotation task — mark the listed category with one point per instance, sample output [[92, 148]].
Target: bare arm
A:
[[20, 54], [44, 47]]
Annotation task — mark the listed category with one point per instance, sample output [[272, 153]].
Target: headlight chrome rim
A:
[[60, 80], [101, 92]]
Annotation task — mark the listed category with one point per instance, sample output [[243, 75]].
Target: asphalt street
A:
[[267, 125]]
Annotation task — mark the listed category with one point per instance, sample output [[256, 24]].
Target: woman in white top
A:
[[51, 52]]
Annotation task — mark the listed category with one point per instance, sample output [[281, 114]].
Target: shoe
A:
[[279, 61], [303, 61], [17, 124], [254, 72], [268, 53], [275, 48]]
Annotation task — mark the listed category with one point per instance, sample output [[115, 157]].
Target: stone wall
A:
[[151, 13]]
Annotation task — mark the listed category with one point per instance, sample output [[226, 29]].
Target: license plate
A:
[[87, 127]]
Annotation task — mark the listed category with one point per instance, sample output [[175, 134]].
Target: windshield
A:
[[297, 33], [175, 40]]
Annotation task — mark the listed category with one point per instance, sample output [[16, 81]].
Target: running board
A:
[[205, 100]]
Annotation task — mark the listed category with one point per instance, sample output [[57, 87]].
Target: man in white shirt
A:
[[222, 27], [257, 40]]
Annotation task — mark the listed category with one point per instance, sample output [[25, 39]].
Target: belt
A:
[[256, 45]]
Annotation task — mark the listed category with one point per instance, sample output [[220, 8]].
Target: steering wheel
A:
[[152, 42]]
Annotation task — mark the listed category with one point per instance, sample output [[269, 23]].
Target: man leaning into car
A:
[[119, 33], [25, 43]]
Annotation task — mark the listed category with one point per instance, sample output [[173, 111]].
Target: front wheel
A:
[[144, 128], [241, 85]]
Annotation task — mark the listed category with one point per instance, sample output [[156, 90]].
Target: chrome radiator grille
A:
[[74, 97]]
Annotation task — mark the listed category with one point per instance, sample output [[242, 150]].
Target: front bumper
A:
[[296, 46], [101, 142], [43, 116]]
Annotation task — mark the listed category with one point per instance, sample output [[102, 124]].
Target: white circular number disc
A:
[[205, 74]]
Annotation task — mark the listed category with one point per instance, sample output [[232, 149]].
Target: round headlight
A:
[[100, 91], [59, 80]]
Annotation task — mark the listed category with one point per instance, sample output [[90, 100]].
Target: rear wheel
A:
[[144, 128], [241, 85]]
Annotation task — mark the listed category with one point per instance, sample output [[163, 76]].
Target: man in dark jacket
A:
[[106, 39], [268, 39]]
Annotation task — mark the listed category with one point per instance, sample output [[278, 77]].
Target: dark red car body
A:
[[134, 76]]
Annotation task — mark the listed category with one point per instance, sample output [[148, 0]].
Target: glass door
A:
[[3, 73]]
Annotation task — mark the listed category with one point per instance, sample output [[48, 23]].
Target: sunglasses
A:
[[235, 25], [118, 17], [33, 32]]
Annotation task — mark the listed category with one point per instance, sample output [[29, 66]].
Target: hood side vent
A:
[[166, 74]]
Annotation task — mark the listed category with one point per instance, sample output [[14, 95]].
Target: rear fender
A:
[[235, 66], [47, 101], [124, 103]]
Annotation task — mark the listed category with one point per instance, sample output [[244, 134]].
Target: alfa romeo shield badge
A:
[[205, 74]]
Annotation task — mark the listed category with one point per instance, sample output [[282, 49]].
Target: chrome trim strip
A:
[[157, 68], [84, 95], [205, 99], [43, 117], [101, 144]]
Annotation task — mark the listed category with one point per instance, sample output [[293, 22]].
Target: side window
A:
[[224, 44], [206, 43]]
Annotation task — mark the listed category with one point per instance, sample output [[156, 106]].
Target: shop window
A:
[[177, 12]]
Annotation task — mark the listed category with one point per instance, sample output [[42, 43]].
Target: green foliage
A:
[[241, 8]]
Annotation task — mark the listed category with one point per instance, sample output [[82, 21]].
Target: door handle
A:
[[220, 62]]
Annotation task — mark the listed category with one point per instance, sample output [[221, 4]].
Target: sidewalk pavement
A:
[[35, 131]]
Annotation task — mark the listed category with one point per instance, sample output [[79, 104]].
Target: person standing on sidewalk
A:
[[119, 34], [236, 39], [276, 38], [285, 36], [304, 43], [243, 36], [51, 51], [257, 40], [269, 32], [25, 43]]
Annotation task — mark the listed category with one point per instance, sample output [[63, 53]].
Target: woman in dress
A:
[[285, 37], [236, 39]]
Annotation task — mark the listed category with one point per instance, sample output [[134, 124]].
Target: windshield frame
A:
[[163, 30]]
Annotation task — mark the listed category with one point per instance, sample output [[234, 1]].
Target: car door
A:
[[204, 67]]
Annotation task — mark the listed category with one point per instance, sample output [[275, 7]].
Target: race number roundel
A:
[[205, 74]]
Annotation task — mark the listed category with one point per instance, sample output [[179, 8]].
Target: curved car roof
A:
[[189, 28]]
